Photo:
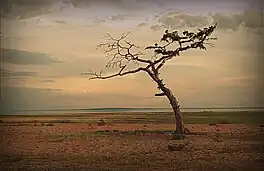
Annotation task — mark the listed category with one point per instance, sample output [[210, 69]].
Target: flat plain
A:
[[131, 141]]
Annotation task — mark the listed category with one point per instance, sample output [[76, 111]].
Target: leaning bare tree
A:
[[171, 45]]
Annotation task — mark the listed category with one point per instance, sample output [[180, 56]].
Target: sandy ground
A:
[[76, 146]]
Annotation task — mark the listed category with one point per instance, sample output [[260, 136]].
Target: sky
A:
[[46, 45]]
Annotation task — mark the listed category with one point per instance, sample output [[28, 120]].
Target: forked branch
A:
[[120, 52], [120, 73]]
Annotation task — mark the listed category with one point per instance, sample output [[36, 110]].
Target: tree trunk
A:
[[176, 109], [180, 129]]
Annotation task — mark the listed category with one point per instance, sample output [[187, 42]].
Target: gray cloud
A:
[[118, 17], [24, 8], [31, 8], [21, 57], [60, 22], [176, 20], [124, 4], [16, 75], [157, 27], [47, 81], [142, 24], [99, 20], [143, 4], [251, 19], [89, 2], [27, 2], [227, 21]]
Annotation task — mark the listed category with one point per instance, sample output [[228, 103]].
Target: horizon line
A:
[[133, 108]]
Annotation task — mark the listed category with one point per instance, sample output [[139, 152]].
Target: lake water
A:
[[121, 110]]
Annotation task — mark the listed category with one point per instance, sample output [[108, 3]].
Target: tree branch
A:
[[119, 51], [120, 73], [160, 94], [195, 40]]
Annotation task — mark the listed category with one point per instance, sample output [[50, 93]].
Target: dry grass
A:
[[143, 147]]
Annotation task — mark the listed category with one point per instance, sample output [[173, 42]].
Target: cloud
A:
[[250, 19], [142, 25], [21, 57], [16, 75], [60, 22], [176, 20], [123, 4], [100, 20], [118, 17], [157, 27], [28, 2], [88, 2], [226, 21], [47, 81], [30, 8], [24, 8]]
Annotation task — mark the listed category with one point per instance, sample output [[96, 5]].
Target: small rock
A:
[[177, 145]]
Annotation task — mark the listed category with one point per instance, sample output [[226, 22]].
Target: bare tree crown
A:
[[120, 51]]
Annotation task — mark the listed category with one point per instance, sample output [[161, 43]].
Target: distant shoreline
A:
[[126, 110], [62, 112], [146, 108]]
